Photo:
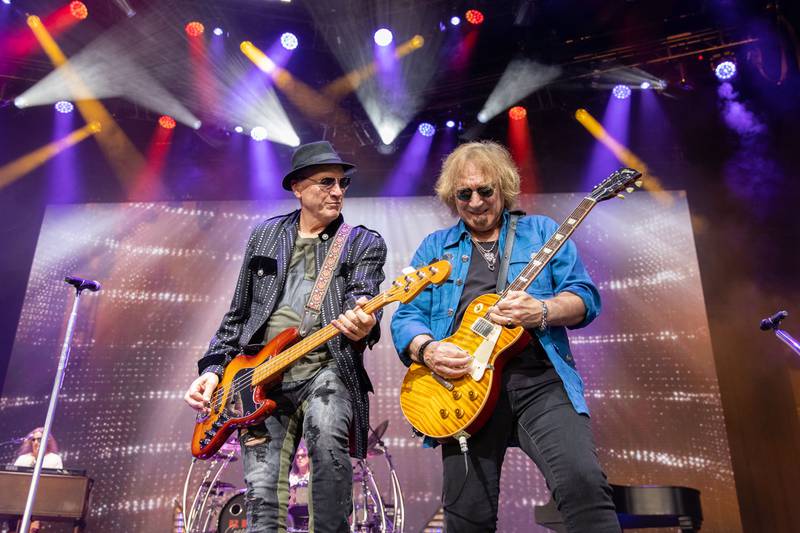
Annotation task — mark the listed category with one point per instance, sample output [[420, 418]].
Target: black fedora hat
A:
[[312, 154]]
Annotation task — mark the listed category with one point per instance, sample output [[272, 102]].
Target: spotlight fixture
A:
[[78, 10], [238, 129], [725, 68], [259, 133], [383, 37], [194, 29], [63, 106], [289, 41], [218, 31], [426, 129], [7, 2], [645, 85], [450, 123], [474, 16], [166, 122], [517, 113], [455, 21], [621, 91]]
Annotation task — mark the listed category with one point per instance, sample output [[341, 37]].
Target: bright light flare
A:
[[259, 133], [78, 10], [427, 129], [474, 16], [62, 106], [517, 113], [194, 29], [218, 31], [621, 92], [450, 123], [455, 21], [725, 70], [645, 85], [166, 122], [383, 37], [258, 57], [289, 41]]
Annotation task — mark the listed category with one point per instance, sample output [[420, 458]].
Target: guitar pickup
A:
[[441, 381], [483, 327]]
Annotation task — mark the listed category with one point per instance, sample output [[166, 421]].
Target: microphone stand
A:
[[774, 323], [80, 285]]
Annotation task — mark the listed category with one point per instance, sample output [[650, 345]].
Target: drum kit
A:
[[218, 507]]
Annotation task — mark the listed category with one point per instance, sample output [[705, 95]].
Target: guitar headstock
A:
[[624, 179], [406, 287]]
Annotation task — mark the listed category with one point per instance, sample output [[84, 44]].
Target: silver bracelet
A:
[[543, 323]]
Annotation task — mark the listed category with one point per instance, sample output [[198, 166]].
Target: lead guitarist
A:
[[323, 396], [541, 406]]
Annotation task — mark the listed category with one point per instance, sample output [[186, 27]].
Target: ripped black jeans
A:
[[319, 410]]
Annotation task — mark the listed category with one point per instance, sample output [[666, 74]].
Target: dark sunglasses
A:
[[465, 195], [328, 183], [36, 439]]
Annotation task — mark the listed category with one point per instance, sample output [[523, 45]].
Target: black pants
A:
[[558, 439]]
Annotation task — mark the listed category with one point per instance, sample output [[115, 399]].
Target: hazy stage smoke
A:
[[521, 78]]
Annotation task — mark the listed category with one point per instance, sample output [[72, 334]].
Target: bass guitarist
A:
[[323, 396], [541, 406]]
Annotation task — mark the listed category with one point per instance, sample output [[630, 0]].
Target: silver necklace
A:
[[488, 254]]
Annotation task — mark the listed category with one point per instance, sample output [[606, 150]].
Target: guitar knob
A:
[[443, 413], [459, 413], [456, 395], [472, 395]]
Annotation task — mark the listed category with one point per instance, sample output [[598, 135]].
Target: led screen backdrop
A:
[[168, 271]]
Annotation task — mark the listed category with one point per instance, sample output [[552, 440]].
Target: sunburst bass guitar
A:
[[241, 399], [456, 408]]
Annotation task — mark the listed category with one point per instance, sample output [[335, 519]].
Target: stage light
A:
[[455, 21], [621, 91], [166, 122], [645, 85], [289, 41], [426, 129], [483, 117], [258, 133], [238, 129], [725, 70], [62, 106], [517, 113], [78, 10], [450, 123], [474, 16], [383, 37], [194, 29], [7, 2], [218, 31]]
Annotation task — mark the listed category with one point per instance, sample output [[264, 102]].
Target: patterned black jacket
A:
[[258, 288]]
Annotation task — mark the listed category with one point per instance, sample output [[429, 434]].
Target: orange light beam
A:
[[118, 149], [28, 162], [341, 87], [621, 152], [306, 99]]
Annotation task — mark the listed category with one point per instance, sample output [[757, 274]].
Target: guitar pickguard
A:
[[480, 359]]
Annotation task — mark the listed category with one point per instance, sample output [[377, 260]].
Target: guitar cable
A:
[[462, 444]]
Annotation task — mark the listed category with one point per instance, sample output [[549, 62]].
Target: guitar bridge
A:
[[441, 381]]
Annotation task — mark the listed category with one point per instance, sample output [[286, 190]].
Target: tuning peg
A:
[[638, 183], [629, 189], [408, 270], [621, 196]]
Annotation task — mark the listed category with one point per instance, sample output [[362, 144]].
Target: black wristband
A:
[[421, 351]]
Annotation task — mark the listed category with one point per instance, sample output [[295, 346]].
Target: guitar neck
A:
[[283, 360], [551, 247]]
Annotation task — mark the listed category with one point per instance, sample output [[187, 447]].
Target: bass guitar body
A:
[[449, 408], [235, 403]]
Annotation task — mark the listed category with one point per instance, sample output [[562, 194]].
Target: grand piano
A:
[[641, 507]]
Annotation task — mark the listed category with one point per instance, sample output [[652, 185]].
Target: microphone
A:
[[774, 321], [81, 284]]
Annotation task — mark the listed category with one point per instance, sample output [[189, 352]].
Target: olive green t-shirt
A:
[[300, 279]]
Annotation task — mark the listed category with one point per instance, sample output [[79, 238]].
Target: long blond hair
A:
[[491, 159]]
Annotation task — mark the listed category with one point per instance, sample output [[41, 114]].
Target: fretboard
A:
[[551, 247]]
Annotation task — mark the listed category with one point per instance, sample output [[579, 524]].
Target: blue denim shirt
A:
[[433, 311]]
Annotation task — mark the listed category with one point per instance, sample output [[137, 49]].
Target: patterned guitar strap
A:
[[315, 299]]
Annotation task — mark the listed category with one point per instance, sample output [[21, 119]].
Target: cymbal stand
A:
[[398, 520], [225, 462], [195, 513]]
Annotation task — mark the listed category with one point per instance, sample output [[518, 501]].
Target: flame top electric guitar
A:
[[240, 398], [454, 408]]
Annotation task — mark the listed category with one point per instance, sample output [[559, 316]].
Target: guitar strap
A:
[[502, 275], [314, 304]]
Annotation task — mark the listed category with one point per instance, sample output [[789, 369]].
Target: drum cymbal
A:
[[375, 437]]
